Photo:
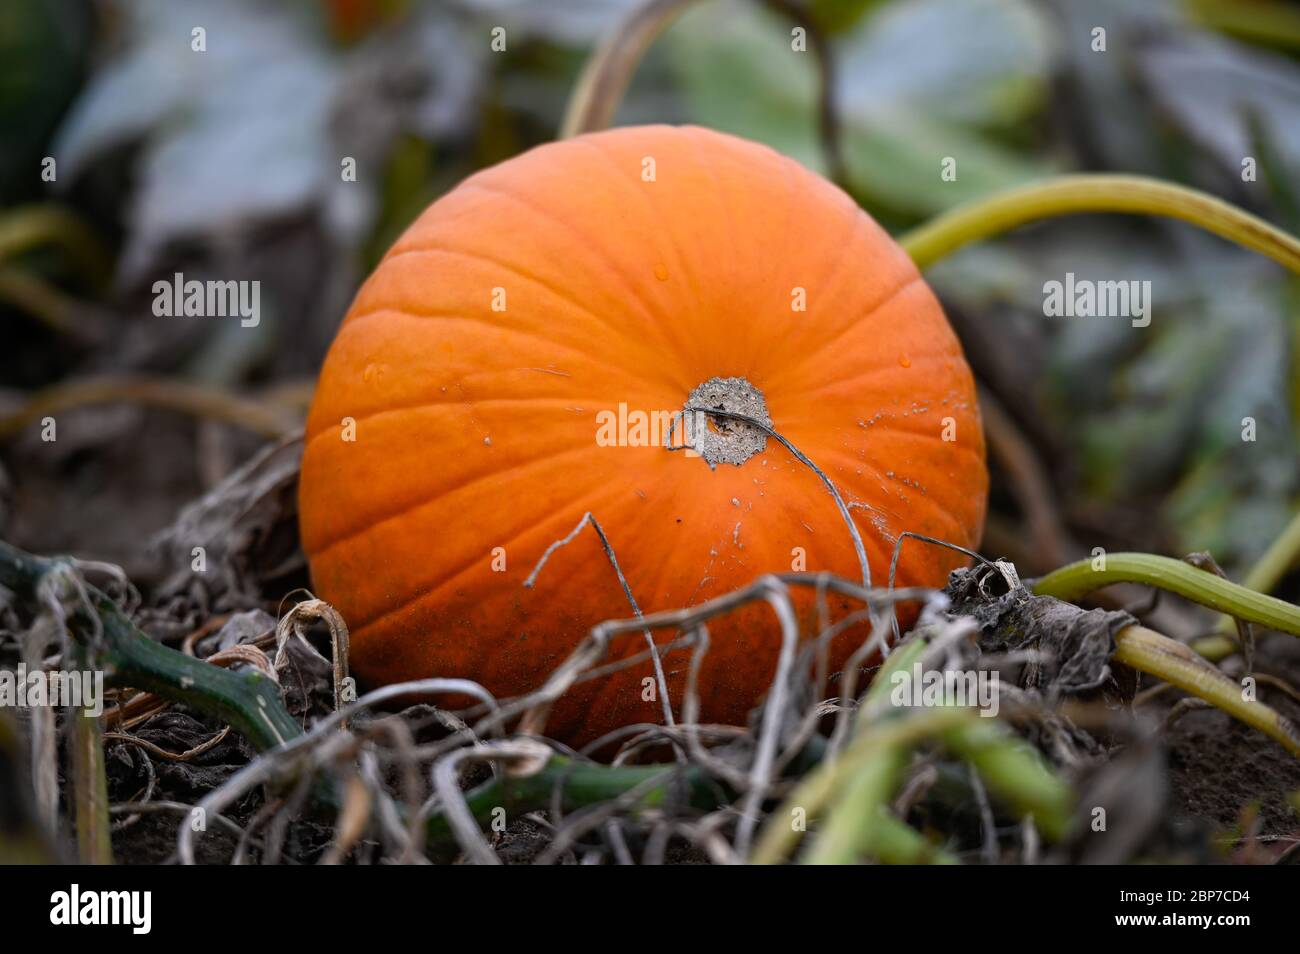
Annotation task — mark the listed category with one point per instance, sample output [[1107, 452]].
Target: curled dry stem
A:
[[292, 625], [589, 518], [803, 458], [608, 72], [183, 396], [53, 308], [606, 75]]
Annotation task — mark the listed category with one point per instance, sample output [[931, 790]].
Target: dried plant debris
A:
[[1074, 646], [356, 782], [234, 544]]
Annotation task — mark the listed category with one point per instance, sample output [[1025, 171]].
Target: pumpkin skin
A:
[[475, 428]]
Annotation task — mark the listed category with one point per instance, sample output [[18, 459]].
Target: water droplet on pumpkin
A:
[[661, 272]]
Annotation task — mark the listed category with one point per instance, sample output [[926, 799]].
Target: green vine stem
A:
[[1277, 561], [897, 843], [1174, 662], [57, 311], [249, 701], [1016, 772], [850, 791], [174, 395], [853, 789], [1067, 195], [816, 789], [1150, 652], [1074, 580], [850, 829]]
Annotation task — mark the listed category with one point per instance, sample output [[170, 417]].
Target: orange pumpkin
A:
[[503, 371]]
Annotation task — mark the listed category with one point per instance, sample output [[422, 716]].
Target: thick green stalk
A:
[[1158, 655], [1282, 554], [1087, 193], [1013, 770], [895, 842], [845, 790], [1075, 580], [248, 701], [819, 789], [849, 831]]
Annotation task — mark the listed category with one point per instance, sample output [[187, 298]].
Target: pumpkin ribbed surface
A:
[[477, 366]]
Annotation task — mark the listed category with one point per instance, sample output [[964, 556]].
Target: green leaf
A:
[[912, 86]]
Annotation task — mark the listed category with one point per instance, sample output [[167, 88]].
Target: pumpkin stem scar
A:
[[627, 589], [766, 427], [722, 439]]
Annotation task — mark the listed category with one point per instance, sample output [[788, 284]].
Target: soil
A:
[[1228, 774]]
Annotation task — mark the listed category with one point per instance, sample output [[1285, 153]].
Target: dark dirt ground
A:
[[1226, 773]]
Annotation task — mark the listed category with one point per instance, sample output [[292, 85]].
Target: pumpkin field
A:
[[650, 432]]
